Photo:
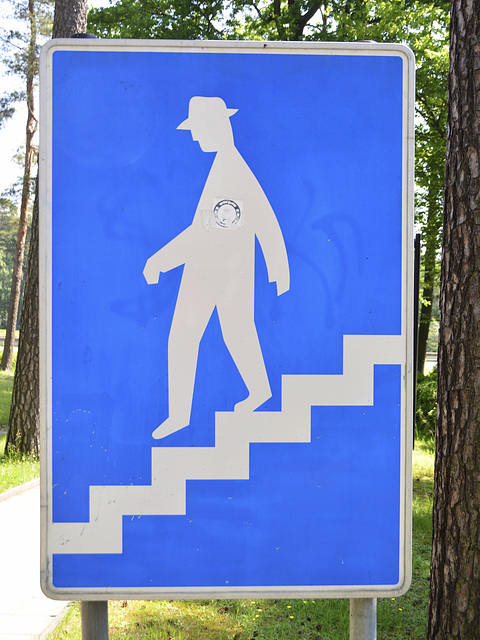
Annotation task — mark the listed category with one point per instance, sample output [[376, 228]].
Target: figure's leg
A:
[[192, 313], [241, 338]]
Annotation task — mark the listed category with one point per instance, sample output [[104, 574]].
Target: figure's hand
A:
[[279, 272], [152, 270], [282, 287], [283, 284], [282, 280]]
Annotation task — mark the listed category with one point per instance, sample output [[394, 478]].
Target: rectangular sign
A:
[[226, 319]]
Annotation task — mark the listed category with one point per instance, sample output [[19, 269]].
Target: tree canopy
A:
[[182, 20], [8, 238], [24, 62], [15, 47]]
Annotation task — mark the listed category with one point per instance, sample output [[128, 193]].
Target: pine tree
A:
[[25, 63], [454, 607], [24, 422]]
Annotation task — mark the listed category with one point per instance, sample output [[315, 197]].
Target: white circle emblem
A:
[[227, 213]]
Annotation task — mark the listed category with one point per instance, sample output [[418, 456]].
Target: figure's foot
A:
[[168, 427], [252, 402]]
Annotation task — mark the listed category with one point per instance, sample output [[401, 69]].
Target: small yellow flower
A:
[[289, 606], [291, 617]]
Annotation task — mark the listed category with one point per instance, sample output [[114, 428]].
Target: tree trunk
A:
[[454, 607], [24, 422], [70, 18], [31, 127]]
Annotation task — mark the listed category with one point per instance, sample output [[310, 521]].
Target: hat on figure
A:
[[202, 109]]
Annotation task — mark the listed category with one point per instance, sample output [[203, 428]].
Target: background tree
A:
[[429, 169], [25, 63], [24, 421], [182, 20], [31, 127], [454, 607], [8, 234]]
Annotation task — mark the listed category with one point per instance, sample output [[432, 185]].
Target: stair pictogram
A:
[[229, 458]]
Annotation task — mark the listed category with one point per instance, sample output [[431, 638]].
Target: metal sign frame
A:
[[70, 542]]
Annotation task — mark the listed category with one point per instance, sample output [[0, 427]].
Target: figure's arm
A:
[[272, 243], [168, 257]]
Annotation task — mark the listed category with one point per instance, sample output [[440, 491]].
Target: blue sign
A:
[[226, 319]]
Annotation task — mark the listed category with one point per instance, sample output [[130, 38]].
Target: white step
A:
[[229, 458]]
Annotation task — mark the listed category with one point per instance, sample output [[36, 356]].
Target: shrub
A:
[[426, 410]]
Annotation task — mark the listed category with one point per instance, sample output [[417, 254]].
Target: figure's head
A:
[[209, 123]]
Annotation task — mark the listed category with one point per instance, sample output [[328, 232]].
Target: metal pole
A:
[[363, 619], [94, 620]]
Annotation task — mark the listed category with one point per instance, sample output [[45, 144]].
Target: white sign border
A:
[[45, 305]]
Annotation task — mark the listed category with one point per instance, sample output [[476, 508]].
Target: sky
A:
[[12, 134]]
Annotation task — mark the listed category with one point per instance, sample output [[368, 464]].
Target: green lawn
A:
[[4, 331], [6, 385], [14, 470]]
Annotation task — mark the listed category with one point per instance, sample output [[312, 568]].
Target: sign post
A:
[[363, 619], [94, 619], [226, 319]]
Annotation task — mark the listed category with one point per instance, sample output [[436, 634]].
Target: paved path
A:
[[25, 613]]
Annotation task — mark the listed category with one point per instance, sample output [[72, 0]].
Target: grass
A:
[[6, 385], [17, 469], [397, 618]]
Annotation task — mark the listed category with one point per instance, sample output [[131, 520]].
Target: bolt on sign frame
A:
[[226, 319]]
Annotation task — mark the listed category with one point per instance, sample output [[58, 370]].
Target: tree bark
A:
[[454, 606], [24, 422], [31, 127], [70, 18]]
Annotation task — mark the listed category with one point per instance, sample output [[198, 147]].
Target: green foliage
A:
[[16, 46], [16, 42], [8, 238], [14, 191], [426, 411], [182, 19], [7, 108], [432, 344]]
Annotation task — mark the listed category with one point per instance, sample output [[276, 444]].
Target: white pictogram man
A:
[[218, 251]]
